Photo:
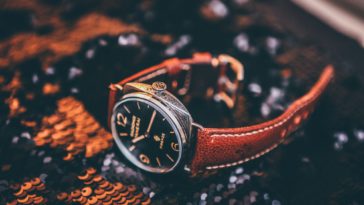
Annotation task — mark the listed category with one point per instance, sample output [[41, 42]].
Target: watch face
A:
[[146, 135]]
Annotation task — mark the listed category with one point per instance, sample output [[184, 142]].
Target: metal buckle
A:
[[228, 89], [227, 86]]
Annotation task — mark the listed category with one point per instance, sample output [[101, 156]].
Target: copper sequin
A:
[[74, 130], [96, 190], [30, 192]]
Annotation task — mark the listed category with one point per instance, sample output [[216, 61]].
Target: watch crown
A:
[[159, 86]]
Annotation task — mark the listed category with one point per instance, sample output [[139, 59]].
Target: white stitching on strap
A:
[[243, 160], [259, 131], [266, 128]]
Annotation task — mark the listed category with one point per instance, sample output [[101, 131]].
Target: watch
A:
[[156, 133]]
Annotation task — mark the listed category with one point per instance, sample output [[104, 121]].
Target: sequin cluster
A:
[[74, 130], [96, 190], [30, 192]]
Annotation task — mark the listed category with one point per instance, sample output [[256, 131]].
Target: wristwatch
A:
[[156, 133]]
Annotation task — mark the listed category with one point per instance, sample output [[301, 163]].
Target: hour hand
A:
[[137, 139]]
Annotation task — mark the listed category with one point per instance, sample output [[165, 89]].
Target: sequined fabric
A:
[[57, 59]]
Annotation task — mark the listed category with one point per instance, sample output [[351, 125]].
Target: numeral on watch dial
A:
[[121, 119], [174, 146], [144, 158]]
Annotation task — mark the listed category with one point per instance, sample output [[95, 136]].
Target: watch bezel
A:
[[169, 114]]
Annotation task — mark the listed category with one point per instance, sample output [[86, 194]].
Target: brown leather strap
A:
[[225, 147]]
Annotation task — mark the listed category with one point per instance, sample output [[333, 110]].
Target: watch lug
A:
[[196, 125], [137, 87]]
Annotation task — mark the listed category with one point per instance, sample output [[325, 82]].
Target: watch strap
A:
[[225, 147]]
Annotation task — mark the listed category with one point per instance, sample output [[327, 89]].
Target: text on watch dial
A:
[[146, 134]]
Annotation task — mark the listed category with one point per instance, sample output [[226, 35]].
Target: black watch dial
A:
[[146, 135]]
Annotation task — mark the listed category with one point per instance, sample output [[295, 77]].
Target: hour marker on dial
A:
[[126, 108], [170, 158], [123, 134], [156, 138], [131, 148], [138, 105], [158, 161]]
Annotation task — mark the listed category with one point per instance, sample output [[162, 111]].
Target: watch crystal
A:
[[146, 135]]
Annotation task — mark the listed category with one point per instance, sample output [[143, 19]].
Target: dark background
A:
[[75, 45]]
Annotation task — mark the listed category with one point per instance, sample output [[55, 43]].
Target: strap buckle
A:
[[228, 86], [228, 73]]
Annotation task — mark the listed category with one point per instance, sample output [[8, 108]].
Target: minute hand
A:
[[150, 123]]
